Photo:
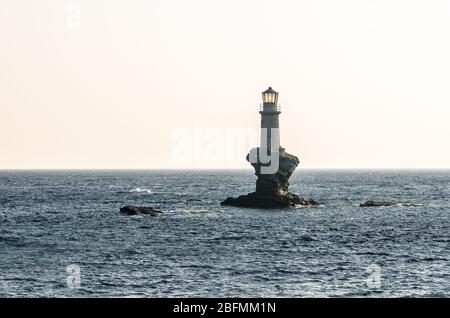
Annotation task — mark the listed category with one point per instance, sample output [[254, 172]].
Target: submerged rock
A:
[[136, 210], [372, 204], [272, 189]]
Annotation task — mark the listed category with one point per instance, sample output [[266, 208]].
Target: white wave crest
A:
[[139, 190]]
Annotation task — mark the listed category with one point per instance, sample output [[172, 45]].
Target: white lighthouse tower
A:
[[270, 125]]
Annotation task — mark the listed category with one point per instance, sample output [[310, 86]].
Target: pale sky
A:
[[107, 84]]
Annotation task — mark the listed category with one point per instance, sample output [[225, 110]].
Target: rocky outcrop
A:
[[374, 204], [137, 210], [278, 182], [272, 189], [255, 200], [371, 204]]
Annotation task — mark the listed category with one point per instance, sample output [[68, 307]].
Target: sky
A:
[[105, 84]]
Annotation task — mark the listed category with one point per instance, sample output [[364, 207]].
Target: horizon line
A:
[[206, 169]]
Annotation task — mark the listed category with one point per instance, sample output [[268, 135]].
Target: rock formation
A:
[[137, 210], [374, 204], [272, 189]]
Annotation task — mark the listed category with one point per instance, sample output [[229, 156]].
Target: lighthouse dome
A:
[[270, 96]]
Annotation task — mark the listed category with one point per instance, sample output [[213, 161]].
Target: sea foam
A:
[[139, 190]]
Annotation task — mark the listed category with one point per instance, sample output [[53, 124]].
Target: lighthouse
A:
[[273, 165], [270, 124], [265, 158]]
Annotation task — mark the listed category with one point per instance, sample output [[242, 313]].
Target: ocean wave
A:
[[402, 204], [232, 238], [196, 210], [302, 206], [139, 190]]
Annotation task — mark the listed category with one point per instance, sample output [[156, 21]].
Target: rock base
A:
[[276, 200], [271, 189]]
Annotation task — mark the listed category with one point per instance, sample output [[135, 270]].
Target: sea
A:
[[62, 235]]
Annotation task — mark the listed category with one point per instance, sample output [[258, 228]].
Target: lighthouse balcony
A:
[[269, 108]]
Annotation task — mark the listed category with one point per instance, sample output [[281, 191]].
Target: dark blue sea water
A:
[[55, 222]]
